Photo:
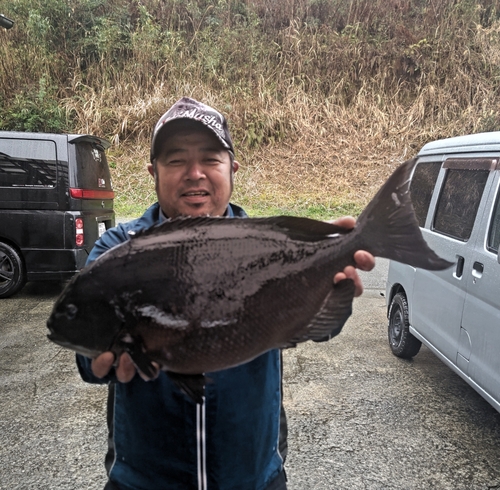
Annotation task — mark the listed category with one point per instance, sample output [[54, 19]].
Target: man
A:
[[160, 438]]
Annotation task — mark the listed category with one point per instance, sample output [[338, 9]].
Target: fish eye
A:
[[71, 311]]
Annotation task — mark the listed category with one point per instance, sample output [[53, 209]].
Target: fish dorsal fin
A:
[[297, 228], [330, 319]]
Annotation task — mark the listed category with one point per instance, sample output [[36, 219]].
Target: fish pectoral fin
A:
[[328, 322], [192, 385], [140, 359]]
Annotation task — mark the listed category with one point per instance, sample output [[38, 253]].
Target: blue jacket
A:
[[162, 440]]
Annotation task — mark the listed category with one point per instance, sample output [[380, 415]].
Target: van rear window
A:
[[27, 163], [421, 188], [92, 171], [459, 201]]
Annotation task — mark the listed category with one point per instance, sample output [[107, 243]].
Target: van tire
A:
[[12, 271], [403, 344]]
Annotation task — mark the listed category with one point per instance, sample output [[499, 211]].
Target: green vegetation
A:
[[324, 97]]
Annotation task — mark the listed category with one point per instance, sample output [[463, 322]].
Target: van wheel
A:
[[402, 342], [12, 271]]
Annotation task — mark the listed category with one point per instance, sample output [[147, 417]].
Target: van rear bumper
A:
[[43, 264]]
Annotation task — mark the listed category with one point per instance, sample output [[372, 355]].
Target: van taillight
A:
[[90, 194], [79, 236]]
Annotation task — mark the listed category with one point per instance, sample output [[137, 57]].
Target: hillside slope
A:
[[324, 97]]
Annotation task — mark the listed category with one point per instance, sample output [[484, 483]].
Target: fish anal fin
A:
[[192, 385], [328, 322]]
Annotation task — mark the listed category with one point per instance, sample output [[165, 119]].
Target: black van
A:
[[56, 199]]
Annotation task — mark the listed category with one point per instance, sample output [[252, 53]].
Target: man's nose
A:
[[194, 170]]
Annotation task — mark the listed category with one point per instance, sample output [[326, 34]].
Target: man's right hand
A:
[[125, 370]]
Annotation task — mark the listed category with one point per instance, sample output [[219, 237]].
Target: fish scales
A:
[[216, 301], [237, 328], [197, 295]]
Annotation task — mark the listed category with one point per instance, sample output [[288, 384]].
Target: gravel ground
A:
[[359, 418]]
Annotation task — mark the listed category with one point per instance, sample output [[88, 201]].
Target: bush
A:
[[35, 112]]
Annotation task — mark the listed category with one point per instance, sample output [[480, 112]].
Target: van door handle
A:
[[477, 270], [460, 267]]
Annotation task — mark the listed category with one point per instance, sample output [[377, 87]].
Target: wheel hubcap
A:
[[396, 327], [6, 270]]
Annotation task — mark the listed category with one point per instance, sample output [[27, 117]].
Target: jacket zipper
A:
[[201, 445]]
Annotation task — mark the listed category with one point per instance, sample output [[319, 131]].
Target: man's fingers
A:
[[346, 222], [350, 273], [125, 370], [102, 364], [364, 260], [340, 276]]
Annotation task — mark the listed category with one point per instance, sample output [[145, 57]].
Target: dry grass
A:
[[324, 98], [331, 161]]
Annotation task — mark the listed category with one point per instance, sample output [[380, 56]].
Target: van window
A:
[[422, 186], [494, 233], [459, 200], [92, 171], [27, 163]]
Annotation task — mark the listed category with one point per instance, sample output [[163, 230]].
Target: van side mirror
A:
[[5, 22]]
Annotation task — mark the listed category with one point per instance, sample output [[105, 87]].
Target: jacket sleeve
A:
[[110, 239]]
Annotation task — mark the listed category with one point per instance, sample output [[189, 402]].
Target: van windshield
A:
[[92, 171]]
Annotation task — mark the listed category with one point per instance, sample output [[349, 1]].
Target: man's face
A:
[[193, 173]]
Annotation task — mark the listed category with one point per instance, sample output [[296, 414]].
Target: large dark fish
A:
[[197, 295]]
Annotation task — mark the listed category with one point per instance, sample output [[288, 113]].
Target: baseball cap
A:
[[187, 108]]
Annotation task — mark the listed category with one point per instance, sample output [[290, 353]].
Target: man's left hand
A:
[[365, 261]]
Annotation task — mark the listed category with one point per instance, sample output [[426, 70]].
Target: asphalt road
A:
[[359, 418]]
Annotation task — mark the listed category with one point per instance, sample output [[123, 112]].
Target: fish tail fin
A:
[[390, 228]]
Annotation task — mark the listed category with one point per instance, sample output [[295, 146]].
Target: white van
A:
[[455, 312]]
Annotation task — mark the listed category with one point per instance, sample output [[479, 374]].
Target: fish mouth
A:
[[53, 337], [70, 345]]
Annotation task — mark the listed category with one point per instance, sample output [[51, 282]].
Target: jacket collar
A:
[[232, 211]]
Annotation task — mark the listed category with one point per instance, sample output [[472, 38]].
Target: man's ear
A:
[[151, 169], [236, 166]]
